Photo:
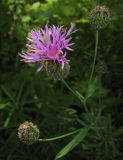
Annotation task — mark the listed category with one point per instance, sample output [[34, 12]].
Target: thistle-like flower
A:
[[99, 17], [28, 132], [48, 46]]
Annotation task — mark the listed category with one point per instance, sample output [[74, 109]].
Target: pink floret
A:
[[49, 44]]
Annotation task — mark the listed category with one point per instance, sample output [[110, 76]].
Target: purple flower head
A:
[[48, 45]]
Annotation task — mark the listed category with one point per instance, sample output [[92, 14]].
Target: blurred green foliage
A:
[[26, 95]]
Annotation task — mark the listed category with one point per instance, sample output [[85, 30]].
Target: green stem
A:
[[85, 106], [65, 83], [59, 137], [95, 54], [81, 98]]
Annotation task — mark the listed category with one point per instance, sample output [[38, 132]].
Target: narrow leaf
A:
[[4, 105], [75, 141], [118, 132], [91, 89]]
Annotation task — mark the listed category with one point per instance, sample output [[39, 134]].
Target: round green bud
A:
[[28, 132], [99, 17], [55, 71]]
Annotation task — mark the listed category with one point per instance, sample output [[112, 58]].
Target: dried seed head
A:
[[28, 132], [55, 71], [99, 17]]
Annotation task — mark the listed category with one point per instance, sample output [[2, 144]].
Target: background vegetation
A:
[[26, 95]]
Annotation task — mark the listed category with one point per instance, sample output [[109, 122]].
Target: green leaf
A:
[[92, 88], [75, 141], [79, 95], [8, 92], [35, 6], [118, 132], [4, 105]]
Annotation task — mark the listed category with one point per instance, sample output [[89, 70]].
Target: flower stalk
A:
[[59, 137], [95, 54], [79, 96]]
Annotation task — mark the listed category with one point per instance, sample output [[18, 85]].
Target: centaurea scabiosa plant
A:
[[48, 48]]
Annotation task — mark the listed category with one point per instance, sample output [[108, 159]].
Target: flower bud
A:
[[55, 71], [28, 132], [99, 17]]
